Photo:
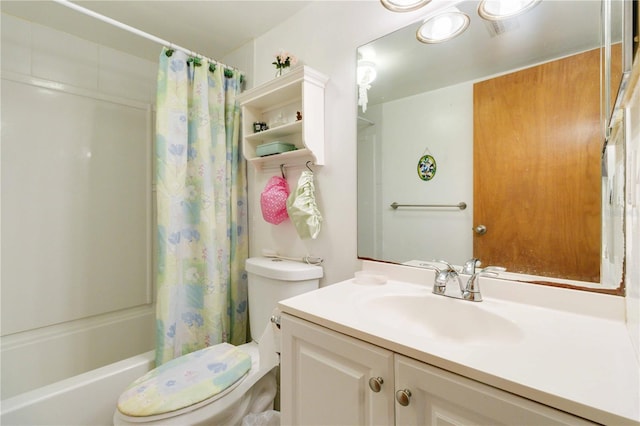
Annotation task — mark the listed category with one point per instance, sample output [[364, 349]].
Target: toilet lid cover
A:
[[185, 381]]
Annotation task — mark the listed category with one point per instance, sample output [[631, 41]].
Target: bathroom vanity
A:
[[364, 352]]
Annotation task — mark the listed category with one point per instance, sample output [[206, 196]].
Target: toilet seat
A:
[[253, 393], [186, 382]]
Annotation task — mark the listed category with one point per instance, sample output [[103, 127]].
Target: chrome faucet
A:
[[470, 291]]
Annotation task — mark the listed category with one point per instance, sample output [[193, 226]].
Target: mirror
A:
[[431, 104]]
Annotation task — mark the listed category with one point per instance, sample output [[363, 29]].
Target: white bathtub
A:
[[83, 400]]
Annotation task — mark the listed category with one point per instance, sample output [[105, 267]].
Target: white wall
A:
[[632, 276], [406, 129], [76, 212], [325, 36], [439, 123], [369, 189]]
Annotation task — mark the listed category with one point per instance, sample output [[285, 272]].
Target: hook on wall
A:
[[284, 166]]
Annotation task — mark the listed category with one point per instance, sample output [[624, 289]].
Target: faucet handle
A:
[[430, 267], [470, 265], [442, 276], [472, 289], [450, 267]]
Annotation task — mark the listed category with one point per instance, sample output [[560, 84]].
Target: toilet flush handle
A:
[[275, 319]]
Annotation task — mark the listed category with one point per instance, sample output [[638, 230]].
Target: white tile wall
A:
[[64, 58], [16, 45], [125, 75], [93, 318], [41, 52]]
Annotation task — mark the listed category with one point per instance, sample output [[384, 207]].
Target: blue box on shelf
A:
[[271, 148]]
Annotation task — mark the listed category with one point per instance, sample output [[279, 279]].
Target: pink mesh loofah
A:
[[273, 200]]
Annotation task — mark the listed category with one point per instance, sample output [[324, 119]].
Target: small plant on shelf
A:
[[283, 61]]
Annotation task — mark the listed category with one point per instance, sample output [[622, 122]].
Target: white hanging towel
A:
[[302, 208]]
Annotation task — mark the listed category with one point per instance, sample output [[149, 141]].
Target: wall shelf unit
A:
[[277, 103]]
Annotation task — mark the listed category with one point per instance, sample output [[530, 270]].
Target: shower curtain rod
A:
[[138, 32]]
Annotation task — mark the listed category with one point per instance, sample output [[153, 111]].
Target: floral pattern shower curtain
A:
[[201, 208]]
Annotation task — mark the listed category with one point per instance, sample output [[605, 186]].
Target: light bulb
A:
[[442, 27]]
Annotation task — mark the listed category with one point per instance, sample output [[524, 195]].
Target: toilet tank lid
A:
[[280, 269]]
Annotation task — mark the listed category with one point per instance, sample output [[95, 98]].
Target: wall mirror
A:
[[508, 118]]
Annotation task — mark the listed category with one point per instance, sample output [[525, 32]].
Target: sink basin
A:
[[428, 315]]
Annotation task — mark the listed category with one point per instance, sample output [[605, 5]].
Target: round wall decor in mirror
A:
[[427, 167]]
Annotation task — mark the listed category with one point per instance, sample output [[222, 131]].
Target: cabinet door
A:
[[441, 398], [325, 378]]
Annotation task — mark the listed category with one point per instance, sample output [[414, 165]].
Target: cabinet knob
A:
[[403, 396], [275, 319], [375, 383]]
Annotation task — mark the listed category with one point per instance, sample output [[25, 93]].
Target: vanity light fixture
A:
[[496, 10], [366, 72], [404, 5], [443, 26], [365, 75]]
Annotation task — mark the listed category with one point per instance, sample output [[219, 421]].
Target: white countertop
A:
[[574, 355]]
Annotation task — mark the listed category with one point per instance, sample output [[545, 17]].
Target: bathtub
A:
[[86, 399]]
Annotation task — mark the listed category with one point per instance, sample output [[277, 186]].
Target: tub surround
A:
[[82, 313], [572, 350], [96, 391]]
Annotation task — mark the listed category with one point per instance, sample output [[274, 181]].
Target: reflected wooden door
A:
[[537, 169]]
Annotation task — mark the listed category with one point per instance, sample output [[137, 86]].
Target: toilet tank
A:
[[271, 280]]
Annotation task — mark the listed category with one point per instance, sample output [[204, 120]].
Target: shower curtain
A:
[[201, 208]]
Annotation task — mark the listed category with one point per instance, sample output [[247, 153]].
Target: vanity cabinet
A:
[[292, 106], [439, 397], [325, 378], [329, 378]]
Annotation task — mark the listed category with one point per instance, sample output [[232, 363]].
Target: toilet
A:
[[221, 384]]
